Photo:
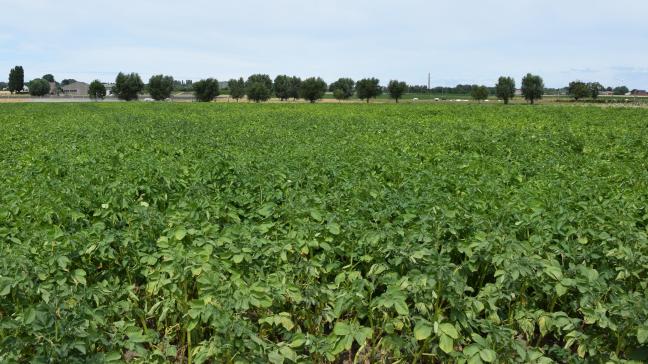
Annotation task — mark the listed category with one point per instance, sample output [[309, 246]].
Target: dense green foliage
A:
[[160, 87], [67, 81], [479, 93], [281, 87], [295, 87], [258, 87], [236, 88], [312, 89], [368, 88], [48, 77], [532, 88], [595, 89], [314, 233], [343, 88], [206, 90], [621, 90], [505, 89], [578, 90], [16, 79], [128, 86], [39, 87], [396, 89], [96, 90]]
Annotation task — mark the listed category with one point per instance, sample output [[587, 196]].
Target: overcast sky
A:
[[457, 42]]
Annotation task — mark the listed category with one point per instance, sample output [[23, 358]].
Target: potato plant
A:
[[155, 233]]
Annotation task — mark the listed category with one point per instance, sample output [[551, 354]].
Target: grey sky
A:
[[457, 42]]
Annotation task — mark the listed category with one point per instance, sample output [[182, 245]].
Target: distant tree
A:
[[265, 79], [258, 87], [206, 90], [578, 90], [339, 94], [39, 87], [368, 88], [67, 81], [343, 88], [479, 93], [621, 90], [281, 87], [160, 87], [396, 89], [236, 88], [16, 79], [48, 77], [257, 91], [127, 87], [595, 89], [505, 89], [312, 89], [96, 90], [295, 85], [532, 88]]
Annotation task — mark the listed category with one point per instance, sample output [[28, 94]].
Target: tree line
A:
[[257, 88], [260, 87]]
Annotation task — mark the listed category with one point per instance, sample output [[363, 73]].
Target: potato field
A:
[[297, 233]]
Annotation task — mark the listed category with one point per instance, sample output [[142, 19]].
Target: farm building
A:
[[109, 87], [53, 89], [76, 89], [638, 93]]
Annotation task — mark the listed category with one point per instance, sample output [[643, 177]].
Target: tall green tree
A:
[[295, 85], [16, 79], [313, 89], [48, 77], [67, 81], [160, 87], [257, 92], [128, 87], [368, 88], [339, 95], [343, 88], [236, 88], [39, 87], [505, 89], [595, 89], [281, 87], [578, 90], [532, 88], [396, 89], [206, 90], [258, 87], [97, 90], [479, 93], [262, 78], [620, 90]]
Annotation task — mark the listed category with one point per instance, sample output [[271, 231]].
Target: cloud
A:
[[468, 42]]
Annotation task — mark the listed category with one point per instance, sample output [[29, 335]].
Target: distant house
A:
[[76, 89], [109, 87], [606, 93], [638, 93], [518, 92], [53, 88]]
